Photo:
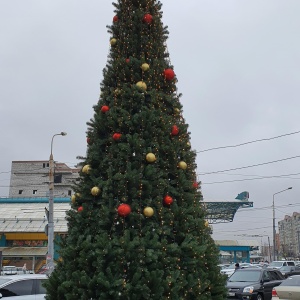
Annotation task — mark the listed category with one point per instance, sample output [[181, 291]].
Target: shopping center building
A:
[[23, 226]]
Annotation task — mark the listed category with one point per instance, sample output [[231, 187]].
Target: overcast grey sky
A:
[[237, 64]]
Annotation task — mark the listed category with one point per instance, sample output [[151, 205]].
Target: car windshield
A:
[[275, 264], [2, 281], [245, 276], [291, 281]]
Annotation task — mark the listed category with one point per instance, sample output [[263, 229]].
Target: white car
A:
[[23, 287], [289, 289], [9, 270], [230, 269], [277, 264]]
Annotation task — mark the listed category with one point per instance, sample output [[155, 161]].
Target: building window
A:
[[45, 165], [57, 178], [34, 192], [69, 192], [20, 192]]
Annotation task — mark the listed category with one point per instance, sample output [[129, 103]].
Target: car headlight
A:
[[248, 289]]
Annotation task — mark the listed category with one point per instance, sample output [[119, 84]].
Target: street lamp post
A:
[[274, 230], [50, 254]]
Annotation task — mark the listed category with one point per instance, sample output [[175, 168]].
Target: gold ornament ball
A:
[[188, 144], [86, 169], [95, 191], [182, 165], [145, 67], [73, 198], [206, 223], [113, 41], [176, 110], [117, 91], [150, 157], [77, 195], [148, 211], [142, 85]]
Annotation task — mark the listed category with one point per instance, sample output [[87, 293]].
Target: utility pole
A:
[[274, 230], [269, 249], [50, 228]]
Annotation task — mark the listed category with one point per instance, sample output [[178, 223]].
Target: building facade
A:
[[289, 236], [31, 179], [23, 234]]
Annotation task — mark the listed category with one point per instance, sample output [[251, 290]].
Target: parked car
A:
[[289, 289], [253, 283], [23, 287], [43, 270], [223, 266], [287, 271], [277, 264], [231, 268], [9, 270]]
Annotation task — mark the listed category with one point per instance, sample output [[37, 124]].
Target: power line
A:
[[256, 178], [228, 231], [251, 166], [246, 143]]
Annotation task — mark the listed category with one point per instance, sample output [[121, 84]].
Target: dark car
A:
[[287, 271], [253, 284]]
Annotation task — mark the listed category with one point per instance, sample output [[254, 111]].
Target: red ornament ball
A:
[[169, 74], [195, 185], [168, 200], [148, 18], [117, 136], [127, 60], [88, 140], [80, 209], [124, 210], [175, 130], [104, 108], [115, 19]]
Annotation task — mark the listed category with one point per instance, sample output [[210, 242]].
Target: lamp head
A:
[[63, 133], [290, 188]]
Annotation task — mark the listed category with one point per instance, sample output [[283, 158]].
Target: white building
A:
[[31, 179]]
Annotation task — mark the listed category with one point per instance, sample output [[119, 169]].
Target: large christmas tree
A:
[[137, 228]]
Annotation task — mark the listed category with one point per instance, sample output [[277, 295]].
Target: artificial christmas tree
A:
[[137, 228]]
